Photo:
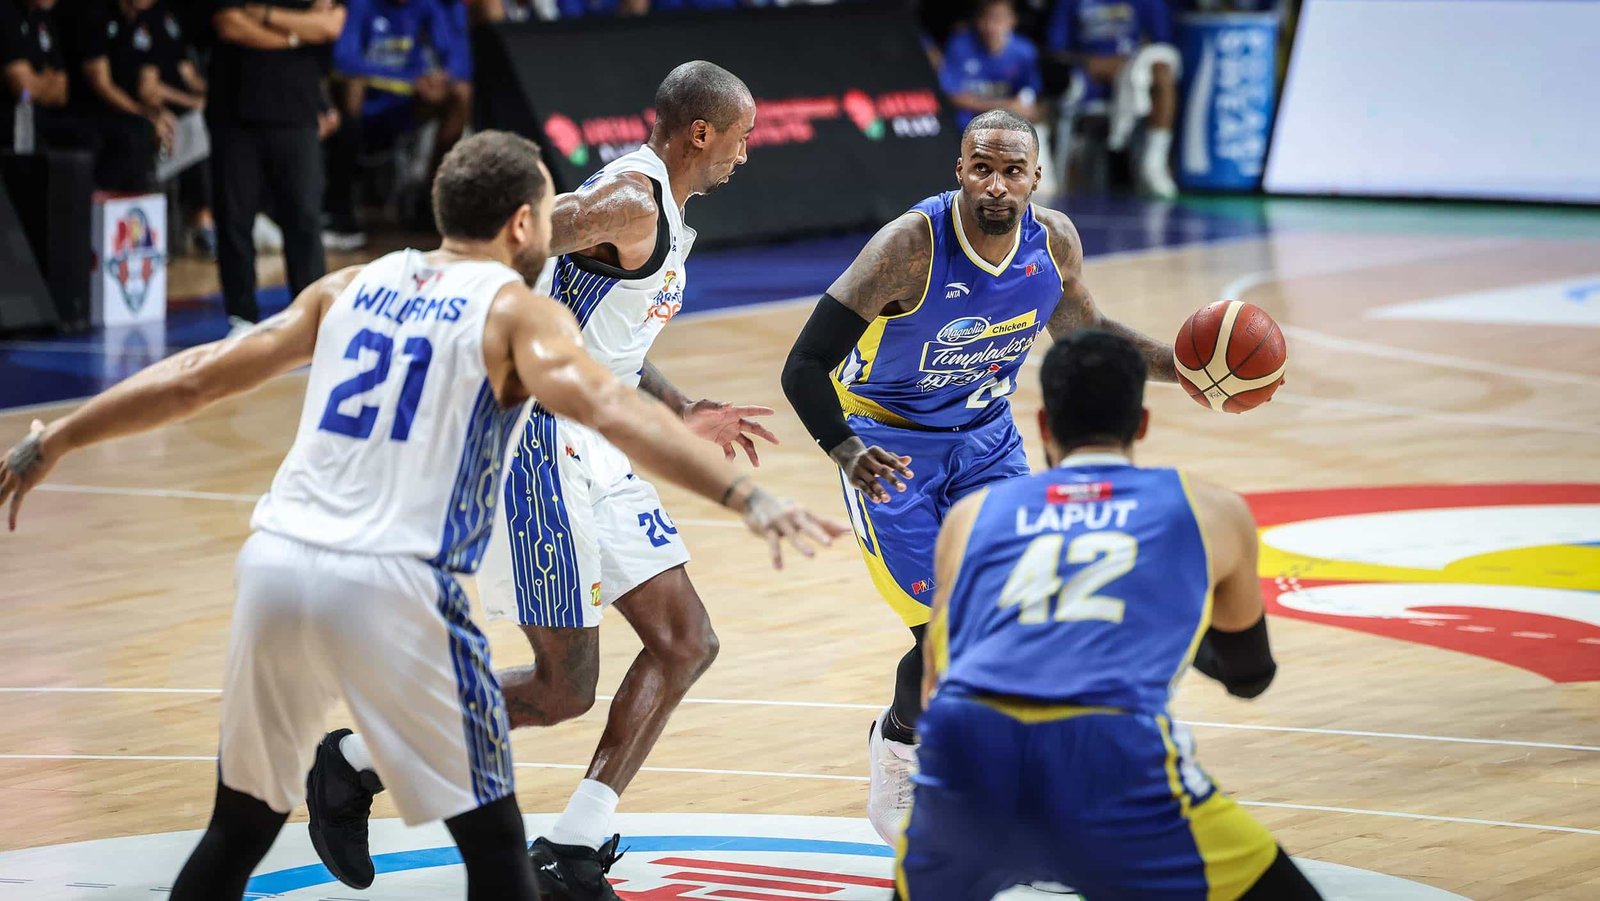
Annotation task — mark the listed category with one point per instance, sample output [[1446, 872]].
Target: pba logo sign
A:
[[1506, 572], [668, 857], [134, 258]]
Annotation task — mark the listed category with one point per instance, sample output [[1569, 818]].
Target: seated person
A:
[[116, 42], [1122, 51], [400, 63], [990, 66], [32, 64]]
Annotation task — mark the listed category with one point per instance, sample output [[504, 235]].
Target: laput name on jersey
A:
[[1086, 584], [400, 438], [947, 361]]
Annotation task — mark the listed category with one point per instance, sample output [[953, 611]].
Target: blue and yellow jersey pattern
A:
[[952, 358], [1088, 585]]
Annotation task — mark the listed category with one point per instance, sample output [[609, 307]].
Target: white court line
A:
[[1419, 816], [1395, 814], [828, 705], [177, 493], [1385, 351]]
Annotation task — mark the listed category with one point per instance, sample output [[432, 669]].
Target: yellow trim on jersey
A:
[[1061, 274], [1031, 712], [1211, 582], [868, 346], [927, 280], [1235, 848], [855, 405], [912, 613], [980, 262]]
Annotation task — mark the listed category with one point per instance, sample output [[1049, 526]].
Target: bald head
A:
[[701, 90]]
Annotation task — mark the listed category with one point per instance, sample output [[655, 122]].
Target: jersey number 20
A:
[[360, 425], [1036, 579]]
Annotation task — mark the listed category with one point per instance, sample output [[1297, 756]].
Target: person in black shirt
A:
[[171, 80], [266, 112], [116, 44], [30, 56]]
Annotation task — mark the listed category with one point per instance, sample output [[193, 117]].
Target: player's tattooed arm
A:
[[1077, 309], [620, 211], [653, 383], [891, 272], [889, 276]]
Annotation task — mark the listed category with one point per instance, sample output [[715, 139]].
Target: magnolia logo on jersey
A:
[[956, 289], [964, 329], [564, 135], [135, 258]]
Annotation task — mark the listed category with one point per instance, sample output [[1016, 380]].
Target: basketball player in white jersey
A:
[[347, 586], [583, 531]]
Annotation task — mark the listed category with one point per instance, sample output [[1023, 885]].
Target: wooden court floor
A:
[[1448, 768]]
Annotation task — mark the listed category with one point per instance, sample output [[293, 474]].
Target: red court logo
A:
[[1506, 572]]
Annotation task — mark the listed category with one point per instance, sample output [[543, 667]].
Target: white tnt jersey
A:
[[401, 437], [621, 311]]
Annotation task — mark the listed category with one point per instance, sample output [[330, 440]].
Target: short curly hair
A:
[[482, 181]]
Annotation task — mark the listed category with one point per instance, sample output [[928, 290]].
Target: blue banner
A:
[[1229, 93]]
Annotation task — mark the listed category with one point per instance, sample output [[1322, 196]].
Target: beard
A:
[[999, 226], [529, 263]]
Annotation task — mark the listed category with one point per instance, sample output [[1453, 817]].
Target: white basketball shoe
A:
[[889, 793]]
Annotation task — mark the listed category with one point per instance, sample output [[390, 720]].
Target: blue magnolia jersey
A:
[[1107, 27], [952, 358], [969, 68], [1086, 584]]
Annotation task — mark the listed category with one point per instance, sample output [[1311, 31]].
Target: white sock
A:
[[1157, 144], [354, 749], [587, 819]]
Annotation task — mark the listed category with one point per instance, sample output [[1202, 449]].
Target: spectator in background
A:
[[1122, 50], [30, 55], [116, 44], [173, 81], [400, 63], [267, 112], [578, 9], [990, 66]]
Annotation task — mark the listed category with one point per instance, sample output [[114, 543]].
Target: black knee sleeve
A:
[[494, 849], [240, 833], [1282, 881], [907, 707]]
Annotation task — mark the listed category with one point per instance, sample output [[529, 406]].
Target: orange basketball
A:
[[1230, 356]]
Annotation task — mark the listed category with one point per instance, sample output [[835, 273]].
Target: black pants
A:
[[266, 167]]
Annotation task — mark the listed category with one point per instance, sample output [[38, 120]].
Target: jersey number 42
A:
[[1100, 558]]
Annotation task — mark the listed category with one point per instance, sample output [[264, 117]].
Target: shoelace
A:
[[608, 853]]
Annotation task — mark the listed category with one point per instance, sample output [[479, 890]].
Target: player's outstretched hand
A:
[[727, 425], [24, 466], [868, 468], [778, 519]]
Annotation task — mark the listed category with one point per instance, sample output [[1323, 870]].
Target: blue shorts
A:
[[897, 537], [1110, 803]]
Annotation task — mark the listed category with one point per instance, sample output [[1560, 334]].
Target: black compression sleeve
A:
[[829, 335], [1241, 661]]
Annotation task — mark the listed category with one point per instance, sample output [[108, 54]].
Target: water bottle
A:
[[22, 125]]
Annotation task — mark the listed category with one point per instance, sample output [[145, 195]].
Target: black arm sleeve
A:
[[826, 340], [1241, 661]]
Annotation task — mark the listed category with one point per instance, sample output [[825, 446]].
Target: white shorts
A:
[[578, 528], [390, 635]]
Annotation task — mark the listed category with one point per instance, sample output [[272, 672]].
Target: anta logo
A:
[[956, 289], [963, 330], [668, 300]]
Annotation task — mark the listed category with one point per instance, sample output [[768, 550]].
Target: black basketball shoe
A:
[[340, 800], [574, 872]]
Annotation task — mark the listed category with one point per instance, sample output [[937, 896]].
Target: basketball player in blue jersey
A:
[[905, 365], [1069, 604], [582, 531], [347, 585]]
